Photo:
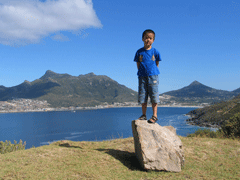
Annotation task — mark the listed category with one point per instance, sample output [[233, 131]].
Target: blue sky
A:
[[197, 40]]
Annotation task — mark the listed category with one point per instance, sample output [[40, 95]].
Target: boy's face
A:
[[148, 39]]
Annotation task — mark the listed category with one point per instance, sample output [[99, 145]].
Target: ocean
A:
[[42, 128]]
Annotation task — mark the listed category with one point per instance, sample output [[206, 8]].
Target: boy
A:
[[147, 59]]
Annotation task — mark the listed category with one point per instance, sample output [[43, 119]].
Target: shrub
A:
[[207, 133], [231, 127], [7, 146]]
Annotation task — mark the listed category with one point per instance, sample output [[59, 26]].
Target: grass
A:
[[205, 158]]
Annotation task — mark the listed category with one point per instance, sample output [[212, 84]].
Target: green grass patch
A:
[[205, 158], [7, 146]]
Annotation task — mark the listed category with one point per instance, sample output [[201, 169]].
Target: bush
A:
[[231, 127], [7, 146], [206, 133]]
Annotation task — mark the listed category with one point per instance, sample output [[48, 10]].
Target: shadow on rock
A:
[[128, 159]]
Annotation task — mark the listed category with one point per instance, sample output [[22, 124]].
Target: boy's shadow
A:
[[128, 159]]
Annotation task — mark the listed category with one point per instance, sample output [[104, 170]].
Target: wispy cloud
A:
[[27, 21]]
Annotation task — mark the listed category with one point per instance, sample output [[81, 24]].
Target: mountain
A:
[[196, 89], [200, 93], [27, 90], [64, 90], [237, 91], [2, 88]]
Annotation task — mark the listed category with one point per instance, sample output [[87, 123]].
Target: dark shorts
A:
[[148, 86]]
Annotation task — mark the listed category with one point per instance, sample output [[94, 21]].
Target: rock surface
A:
[[156, 147]]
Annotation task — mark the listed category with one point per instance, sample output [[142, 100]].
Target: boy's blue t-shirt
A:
[[147, 60]]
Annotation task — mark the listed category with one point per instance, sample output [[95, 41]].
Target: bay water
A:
[[42, 128]]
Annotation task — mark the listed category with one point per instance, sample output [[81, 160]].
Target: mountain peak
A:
[[26, 82], [48, 74], [90, 74], [194, 83], [2, 88]]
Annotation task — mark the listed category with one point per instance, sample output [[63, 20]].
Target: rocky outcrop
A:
[[156, 147], [200, 117]]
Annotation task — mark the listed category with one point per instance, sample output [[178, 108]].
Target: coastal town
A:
[[23, 105], [33, 105]]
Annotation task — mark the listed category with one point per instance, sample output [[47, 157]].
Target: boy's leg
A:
[[143, 95], [154, 118], [154, 95], [144, 108], [154, 108]]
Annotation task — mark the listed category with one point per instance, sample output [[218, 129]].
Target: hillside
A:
[[64, 90], [205, 158], [237, 90], [215, 115], [197, 93]]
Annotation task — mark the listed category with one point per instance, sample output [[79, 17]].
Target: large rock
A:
[[157, 148]]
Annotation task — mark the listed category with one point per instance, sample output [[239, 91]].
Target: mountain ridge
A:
[[236, 90], [199, 93], [64, 90], [198, 89]]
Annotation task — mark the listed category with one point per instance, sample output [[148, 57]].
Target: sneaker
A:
[[143, 117]]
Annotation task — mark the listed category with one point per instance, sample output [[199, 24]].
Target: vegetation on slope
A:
[[215, 114], [224, 115], [7, 146]]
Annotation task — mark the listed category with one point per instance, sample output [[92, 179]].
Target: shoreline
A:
[[206, 125], [86, 108], [191, 121]]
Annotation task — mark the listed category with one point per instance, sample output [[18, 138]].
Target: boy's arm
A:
[[138, 65], [157, 63]]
